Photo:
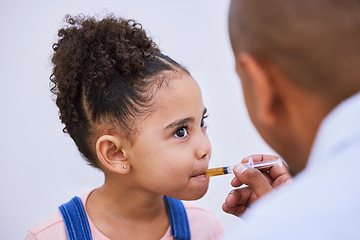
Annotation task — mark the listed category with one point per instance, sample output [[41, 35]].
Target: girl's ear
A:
[[263, 93], [111, 155]]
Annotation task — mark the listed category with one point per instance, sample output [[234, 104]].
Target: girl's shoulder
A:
[[51, 228], [203, 223]]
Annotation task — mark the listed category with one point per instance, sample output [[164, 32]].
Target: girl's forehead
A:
[[181, 97], [181, 89]]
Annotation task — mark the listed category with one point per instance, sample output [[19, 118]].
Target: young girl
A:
[[138, 116]]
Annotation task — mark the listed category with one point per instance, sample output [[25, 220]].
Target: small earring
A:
[[124, 166]]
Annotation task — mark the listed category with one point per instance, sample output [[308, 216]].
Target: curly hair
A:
[[103, 73]]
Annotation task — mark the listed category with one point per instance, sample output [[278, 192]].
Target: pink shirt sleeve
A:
[[51, 228]]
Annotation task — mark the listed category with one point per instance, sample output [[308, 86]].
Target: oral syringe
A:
[[251, 164]]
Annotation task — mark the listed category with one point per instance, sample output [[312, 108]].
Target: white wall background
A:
[[40, 167]]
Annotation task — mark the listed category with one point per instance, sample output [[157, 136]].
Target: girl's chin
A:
[[197, 192], [196, 188]]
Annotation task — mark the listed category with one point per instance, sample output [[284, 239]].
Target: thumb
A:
[[253, 178]]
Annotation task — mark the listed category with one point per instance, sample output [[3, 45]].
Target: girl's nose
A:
[[204, 147]]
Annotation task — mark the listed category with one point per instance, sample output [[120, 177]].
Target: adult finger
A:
[[256, 158], [238, 200], [235, 182], [253, 178], [280, 175]]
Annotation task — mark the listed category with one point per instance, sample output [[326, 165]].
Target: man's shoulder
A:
[[316, 204]]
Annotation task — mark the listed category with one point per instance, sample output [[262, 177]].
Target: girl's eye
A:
[[203, 124], [181, 133]]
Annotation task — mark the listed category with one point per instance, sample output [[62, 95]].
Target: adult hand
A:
[[259, 182]]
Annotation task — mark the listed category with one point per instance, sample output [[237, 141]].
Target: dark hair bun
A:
[[101, 75]]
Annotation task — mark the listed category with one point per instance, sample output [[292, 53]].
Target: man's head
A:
[[297, 60]]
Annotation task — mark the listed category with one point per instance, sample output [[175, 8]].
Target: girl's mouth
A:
[[200, 173], [199, 176]]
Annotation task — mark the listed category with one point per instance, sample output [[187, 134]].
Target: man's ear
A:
[[111, 155], [262, 87]]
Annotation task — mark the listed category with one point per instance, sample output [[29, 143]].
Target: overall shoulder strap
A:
[[180, 229], [75, 219]]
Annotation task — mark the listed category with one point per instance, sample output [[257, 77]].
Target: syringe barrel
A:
[[263, 164]]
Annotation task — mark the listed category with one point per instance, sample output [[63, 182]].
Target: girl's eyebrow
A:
[[182, 122]]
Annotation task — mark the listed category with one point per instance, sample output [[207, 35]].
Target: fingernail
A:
[[239, 169]]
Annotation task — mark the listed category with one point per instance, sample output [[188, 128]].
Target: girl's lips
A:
[[202, 175]]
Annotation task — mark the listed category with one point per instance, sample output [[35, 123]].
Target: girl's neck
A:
[[127, 203], [114, 205]]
